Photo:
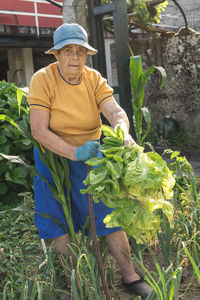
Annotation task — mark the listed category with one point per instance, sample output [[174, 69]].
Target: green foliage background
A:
[[141, 13], [14, 179]]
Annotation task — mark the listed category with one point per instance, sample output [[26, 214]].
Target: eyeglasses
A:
[[70, 51]]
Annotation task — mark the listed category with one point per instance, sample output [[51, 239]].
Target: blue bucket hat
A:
[[71, 34]]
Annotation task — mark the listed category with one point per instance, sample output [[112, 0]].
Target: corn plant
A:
[[137, 80]]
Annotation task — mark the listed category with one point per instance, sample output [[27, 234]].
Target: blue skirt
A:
[[46, 203]]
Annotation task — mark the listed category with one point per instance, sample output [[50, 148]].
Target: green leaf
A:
[[3, 188], [137, 79], [96, 177], [108, 131], [115, 157], [147, 117], [120, 133], [95, 161], [144, 176], [114, 150], [135, 72], [114, 168], [3, 140], [163, 74], [194, 265], [21, 129], [136, 220], [112, 141], [18, 160], [19, 98]]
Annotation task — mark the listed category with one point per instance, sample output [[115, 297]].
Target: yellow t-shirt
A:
[[74, 108]]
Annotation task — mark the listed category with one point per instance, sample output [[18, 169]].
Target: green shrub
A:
[[15, 178]]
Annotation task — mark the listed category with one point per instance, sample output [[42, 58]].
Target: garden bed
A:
[[23, 263]]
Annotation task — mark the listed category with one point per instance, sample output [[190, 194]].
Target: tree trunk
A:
[[74, 11]]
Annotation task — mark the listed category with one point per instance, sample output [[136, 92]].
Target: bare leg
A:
[[118, 240], [61, 243]]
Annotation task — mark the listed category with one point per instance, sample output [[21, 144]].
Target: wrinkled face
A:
[[71, 60]]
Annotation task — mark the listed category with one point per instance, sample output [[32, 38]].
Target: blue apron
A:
[[46, 203]]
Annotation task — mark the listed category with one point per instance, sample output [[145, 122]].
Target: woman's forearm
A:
[[39, 121], [115, 115], [54, 143]]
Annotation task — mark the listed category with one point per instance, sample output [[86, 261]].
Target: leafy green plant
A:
[[137, 79], [135, 183], [142, 11], [14, 179], [147, 14]]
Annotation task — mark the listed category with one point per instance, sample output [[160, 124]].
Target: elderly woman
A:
[[66, 99]]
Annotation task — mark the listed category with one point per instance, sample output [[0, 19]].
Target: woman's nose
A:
[[75, 54]]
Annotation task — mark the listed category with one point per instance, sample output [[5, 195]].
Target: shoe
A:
[[139, 288]]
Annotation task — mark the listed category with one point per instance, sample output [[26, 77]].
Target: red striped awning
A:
[[39, 13]]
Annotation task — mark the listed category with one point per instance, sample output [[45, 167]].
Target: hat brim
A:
[[60, 45]]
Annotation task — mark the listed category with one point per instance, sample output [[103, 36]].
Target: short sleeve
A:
[[103, 92], [39, 92]]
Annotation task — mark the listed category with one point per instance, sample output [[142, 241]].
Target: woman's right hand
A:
[[87, 150]]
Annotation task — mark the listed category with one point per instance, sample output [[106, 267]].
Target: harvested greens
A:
[[135, 183]]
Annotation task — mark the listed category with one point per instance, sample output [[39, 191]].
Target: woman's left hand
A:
[[128, 140]]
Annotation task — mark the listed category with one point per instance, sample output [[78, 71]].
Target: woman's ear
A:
[[56, 53]]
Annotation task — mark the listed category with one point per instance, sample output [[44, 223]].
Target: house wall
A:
[[26, 31], [19, 64]]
